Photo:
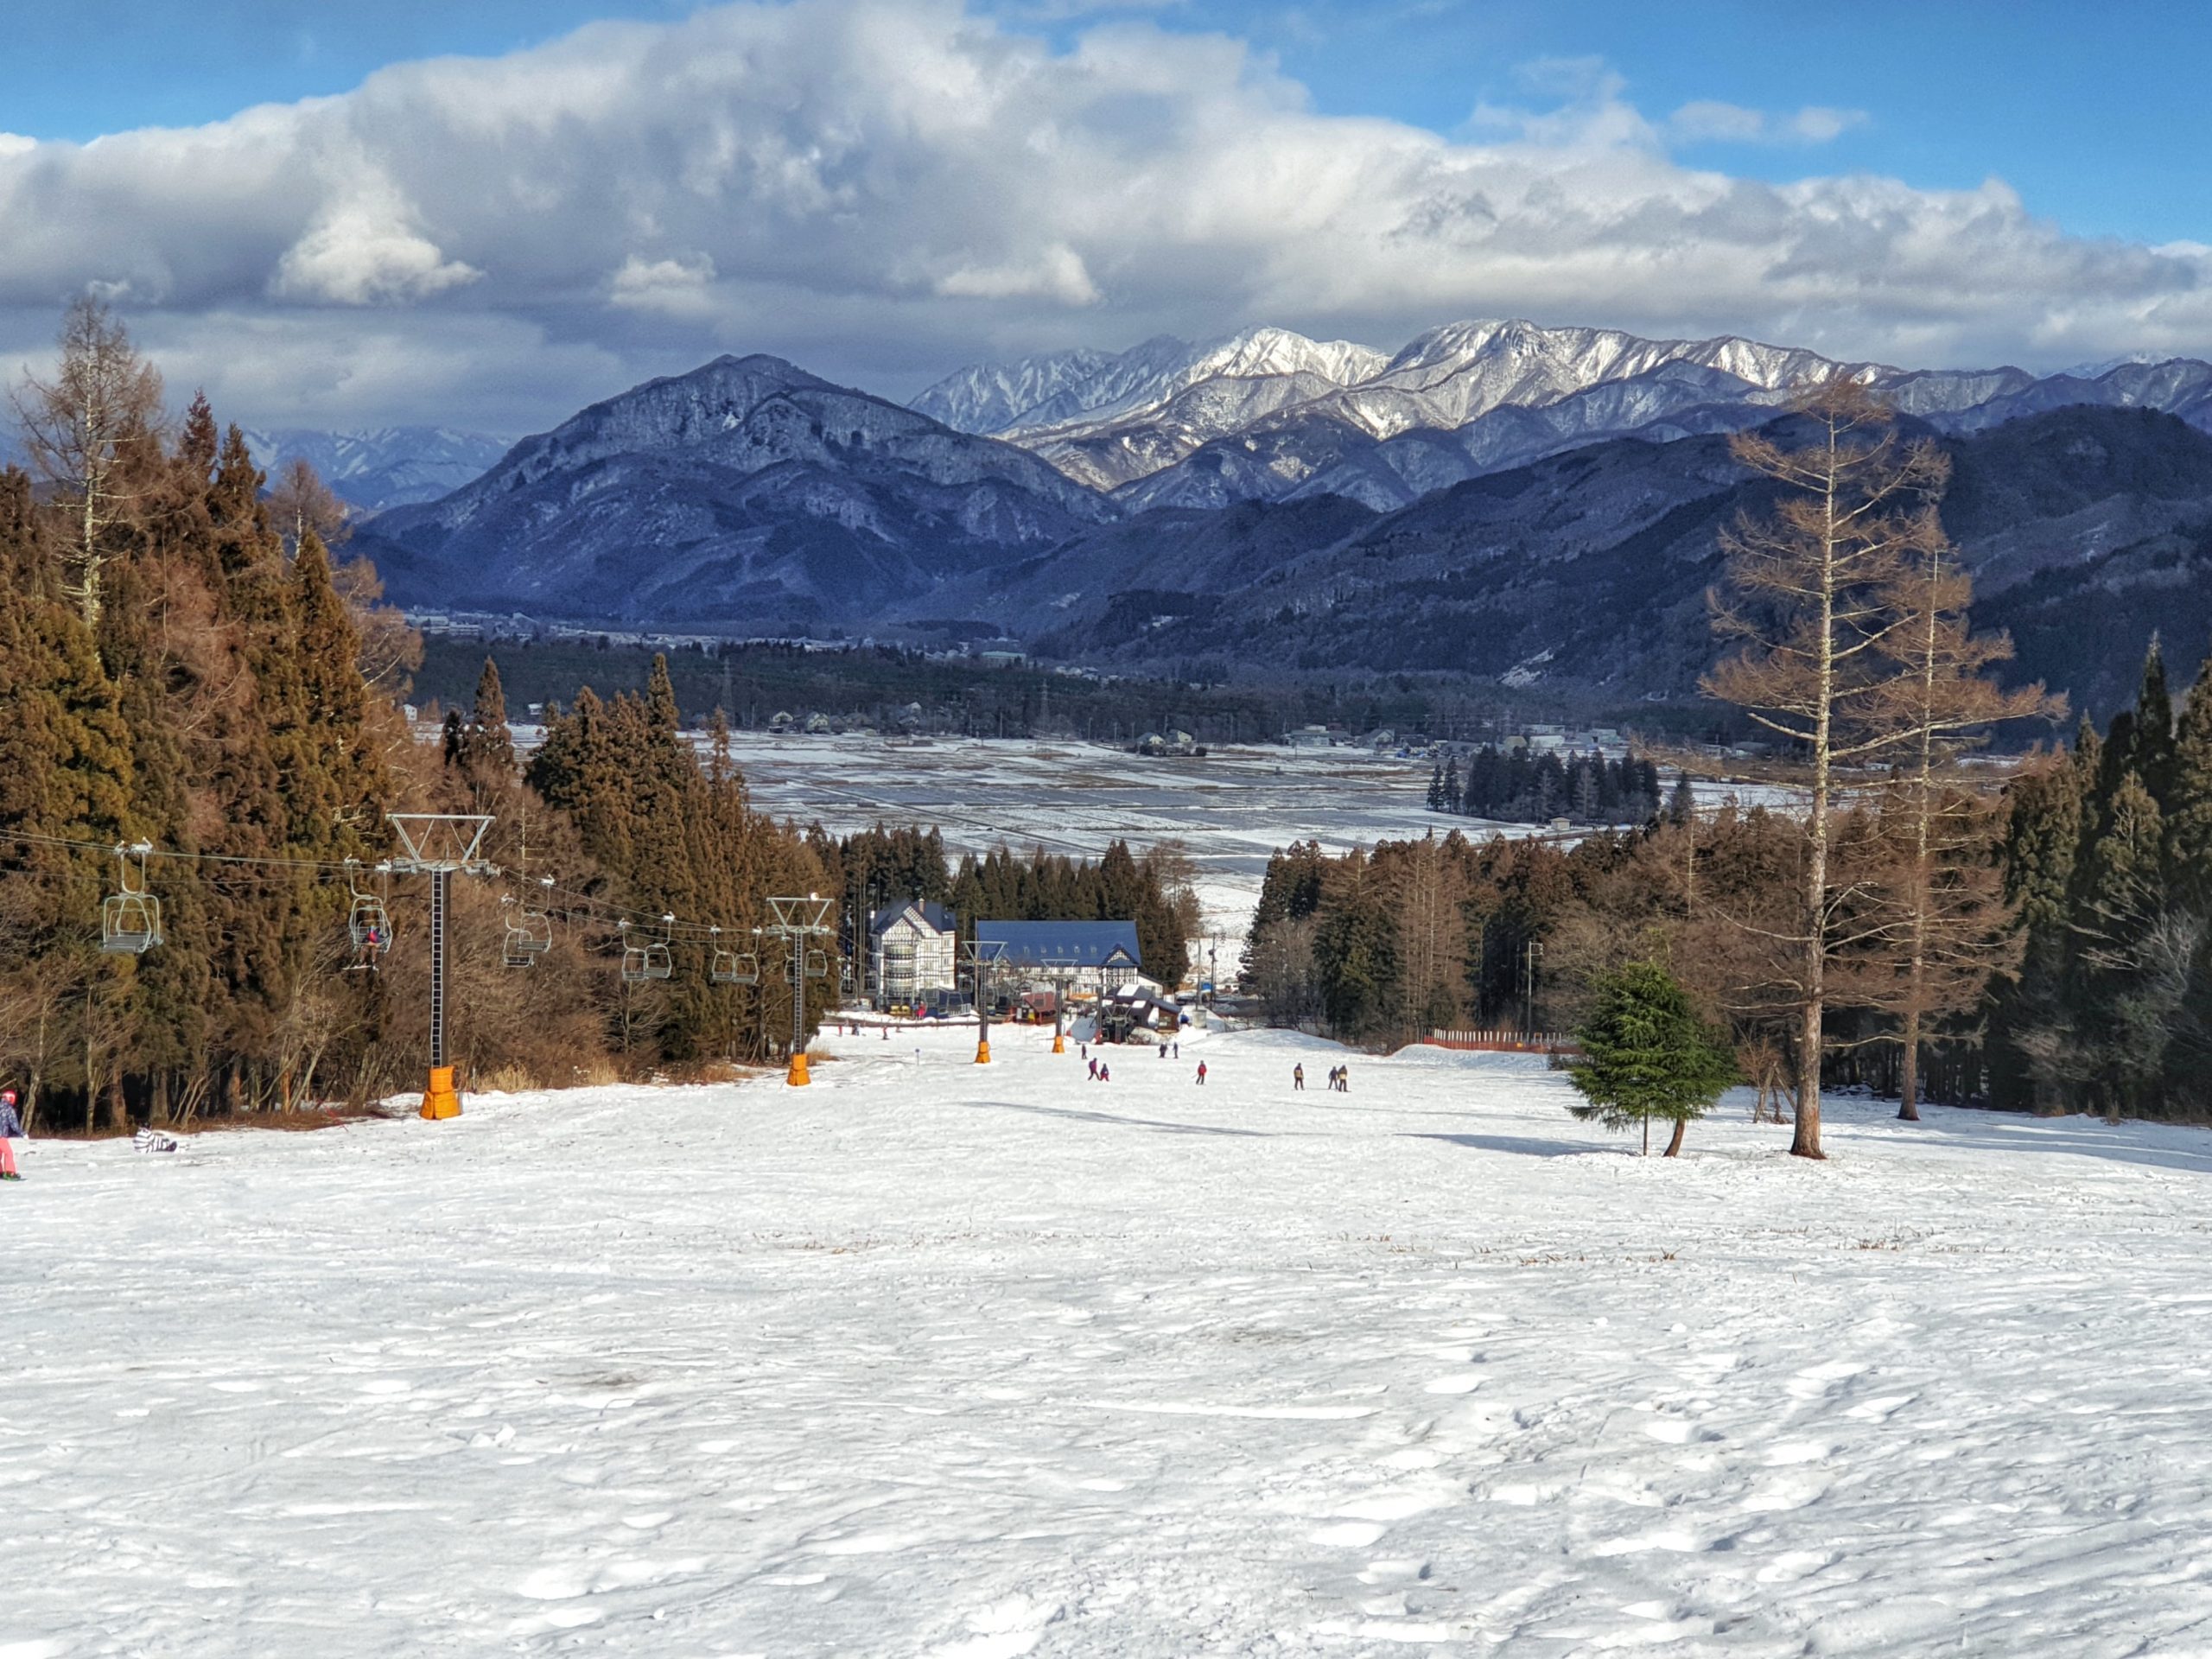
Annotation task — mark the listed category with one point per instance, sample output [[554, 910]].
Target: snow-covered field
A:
[[935, 1359], [1230, 809]]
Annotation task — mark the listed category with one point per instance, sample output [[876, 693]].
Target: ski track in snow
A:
[[973, 1362]]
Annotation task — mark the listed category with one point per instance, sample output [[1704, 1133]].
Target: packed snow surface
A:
[[939, 1359]]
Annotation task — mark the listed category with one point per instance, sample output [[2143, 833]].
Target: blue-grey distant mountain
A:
[[384, 467], [748, 495]]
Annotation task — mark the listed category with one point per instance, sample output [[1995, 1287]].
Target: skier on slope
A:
[[1202, 1073], [1298, 1078], [11, 1129], [1094, 1070]]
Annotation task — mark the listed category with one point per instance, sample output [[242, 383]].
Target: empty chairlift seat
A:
[[130, 917]]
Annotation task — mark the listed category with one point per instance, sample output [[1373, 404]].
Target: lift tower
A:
[[437, 844]]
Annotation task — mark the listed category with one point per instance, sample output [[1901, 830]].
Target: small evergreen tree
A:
[[1646, 1054], [1681, 805]]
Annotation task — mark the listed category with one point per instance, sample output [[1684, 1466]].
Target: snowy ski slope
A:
[[934, 1359]]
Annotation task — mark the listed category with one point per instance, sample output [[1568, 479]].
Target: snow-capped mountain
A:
[[746, 492], [1269, 415], [386, 466], [992, 397], [1140, 410], [1139, 413]]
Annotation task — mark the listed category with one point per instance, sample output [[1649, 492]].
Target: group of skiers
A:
[[1339, 1079]]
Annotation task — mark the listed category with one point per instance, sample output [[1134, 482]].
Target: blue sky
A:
[[487, 214], [2097, 114]]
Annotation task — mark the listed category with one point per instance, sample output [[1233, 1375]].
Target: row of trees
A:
[[2108, 861], [1512, 786]]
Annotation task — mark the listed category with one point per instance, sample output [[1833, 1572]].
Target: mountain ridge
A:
[[1204, 426]]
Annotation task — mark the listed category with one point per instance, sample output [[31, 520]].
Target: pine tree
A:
[[64, 773], [2128, 985], [1646, 1055], [2188, 816], [2042, 835], [2153, 755], [483, 748], [337, 785], [1356, 949], [1681, 805]]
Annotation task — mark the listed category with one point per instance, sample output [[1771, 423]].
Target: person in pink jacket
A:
[[11, 1129]]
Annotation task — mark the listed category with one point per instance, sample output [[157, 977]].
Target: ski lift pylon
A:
[[130, 917]]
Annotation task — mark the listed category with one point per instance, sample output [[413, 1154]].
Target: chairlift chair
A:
[[530, 936], [368, 920], [727, 967], [817, 965], [130, 918], [653, 960]]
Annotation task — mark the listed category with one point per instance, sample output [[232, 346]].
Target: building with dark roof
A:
[[1094, 956]]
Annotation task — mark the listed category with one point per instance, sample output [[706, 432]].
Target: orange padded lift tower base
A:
[[439, 1100]]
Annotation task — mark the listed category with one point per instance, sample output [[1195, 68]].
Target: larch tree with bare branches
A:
[[1949, 921], [92, 435], [300, 502], [1811, 599]]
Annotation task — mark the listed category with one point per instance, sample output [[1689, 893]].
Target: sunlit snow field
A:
[[940, 1359]]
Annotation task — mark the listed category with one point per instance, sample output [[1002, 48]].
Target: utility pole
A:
[[437, 844], [798, 922]]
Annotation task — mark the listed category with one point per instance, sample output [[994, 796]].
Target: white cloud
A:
[[882, 190], [1057, 273], [682, 287], [1707, 119], [363, 248]]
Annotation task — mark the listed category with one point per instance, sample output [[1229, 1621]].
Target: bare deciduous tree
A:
[[86, 431], [1812, 602], [1950, 919], [301, 502]]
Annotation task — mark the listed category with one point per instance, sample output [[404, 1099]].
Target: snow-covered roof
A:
[[1069, 944]]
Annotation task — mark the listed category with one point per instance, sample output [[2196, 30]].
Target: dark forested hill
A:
[[2086, 529]]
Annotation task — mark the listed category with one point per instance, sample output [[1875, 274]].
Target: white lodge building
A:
[[911, 951]]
